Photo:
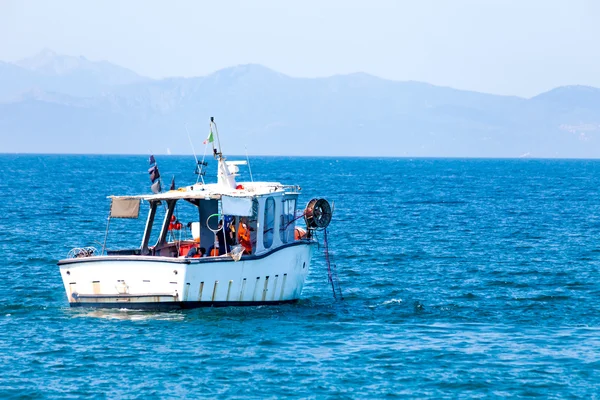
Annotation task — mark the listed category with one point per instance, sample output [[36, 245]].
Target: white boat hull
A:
[[274, 277]]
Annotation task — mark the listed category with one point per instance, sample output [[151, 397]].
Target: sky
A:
[[510, 47]]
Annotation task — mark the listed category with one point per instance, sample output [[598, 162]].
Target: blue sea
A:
[[462, 278]]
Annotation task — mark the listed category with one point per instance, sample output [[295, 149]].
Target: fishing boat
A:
[[226, 243]]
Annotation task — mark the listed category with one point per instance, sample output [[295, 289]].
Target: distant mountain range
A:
[[52, 103]]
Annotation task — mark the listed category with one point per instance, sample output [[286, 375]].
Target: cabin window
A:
[[269, 222], [288, 211]]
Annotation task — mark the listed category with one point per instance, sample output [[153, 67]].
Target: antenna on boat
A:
[[248, 161], [199, 165], [191, 144]]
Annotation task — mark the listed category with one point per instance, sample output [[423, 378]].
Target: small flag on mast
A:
[[209, 139], [154, 174], [156, 187], [172, 183]]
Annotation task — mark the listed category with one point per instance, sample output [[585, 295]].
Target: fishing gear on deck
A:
[[317, 215]]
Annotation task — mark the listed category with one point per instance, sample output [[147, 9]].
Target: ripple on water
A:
[[461, 278]]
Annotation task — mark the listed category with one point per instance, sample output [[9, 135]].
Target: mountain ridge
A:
[[278, 114]]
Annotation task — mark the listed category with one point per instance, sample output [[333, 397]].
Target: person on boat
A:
[[192, 253], [224, 236], [229, 231], [243, 235], [196, 252], [213, 250], [220, 247]]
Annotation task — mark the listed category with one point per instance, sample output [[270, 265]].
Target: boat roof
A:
[[215, 191]]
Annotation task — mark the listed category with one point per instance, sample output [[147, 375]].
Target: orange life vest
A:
[[244, 238], [299, 233]]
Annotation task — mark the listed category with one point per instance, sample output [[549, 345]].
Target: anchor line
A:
[[332, 271]]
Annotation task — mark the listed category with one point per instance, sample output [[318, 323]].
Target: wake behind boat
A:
[[221, 244]]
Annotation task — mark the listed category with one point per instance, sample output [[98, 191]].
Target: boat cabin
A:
[[212, 220]]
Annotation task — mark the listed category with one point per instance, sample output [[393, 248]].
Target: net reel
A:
[[317, 214]]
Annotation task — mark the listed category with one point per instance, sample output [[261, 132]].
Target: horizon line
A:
[[311, 156]]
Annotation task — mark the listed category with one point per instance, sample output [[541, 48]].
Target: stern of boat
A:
[[122, 281]]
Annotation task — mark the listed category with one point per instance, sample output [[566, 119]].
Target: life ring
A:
[[299, 233]]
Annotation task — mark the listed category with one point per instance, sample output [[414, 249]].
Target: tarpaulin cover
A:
[[241, 206], [125, 208]]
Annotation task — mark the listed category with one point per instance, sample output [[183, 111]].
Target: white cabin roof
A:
[[216, 191]]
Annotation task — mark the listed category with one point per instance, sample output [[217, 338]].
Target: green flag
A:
[[209, 139]]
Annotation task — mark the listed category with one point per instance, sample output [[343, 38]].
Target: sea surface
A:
[[462, 278]]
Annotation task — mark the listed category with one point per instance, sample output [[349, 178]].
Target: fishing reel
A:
[[317, 214]]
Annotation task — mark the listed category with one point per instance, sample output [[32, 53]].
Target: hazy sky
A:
[[520, 47]]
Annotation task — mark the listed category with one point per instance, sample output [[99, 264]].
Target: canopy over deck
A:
[[216, 191]]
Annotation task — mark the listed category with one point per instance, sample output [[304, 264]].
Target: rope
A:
[[332, 271]]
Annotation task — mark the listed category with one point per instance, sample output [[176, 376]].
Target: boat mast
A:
[[224, 176], [218, 154]]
